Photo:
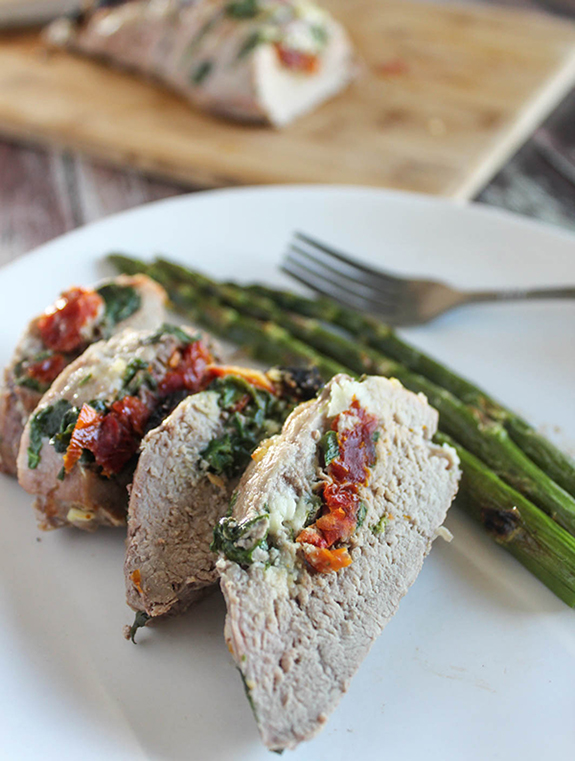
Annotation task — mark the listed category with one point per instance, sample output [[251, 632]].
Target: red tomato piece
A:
[[327, 561], [112, 438], [61, 328], [297, 60], [311, 535], [348, 471], [82, 436], [47, 370], [119, 435], [189, 370]]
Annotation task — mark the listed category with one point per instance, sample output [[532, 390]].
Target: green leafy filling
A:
[[320, 35], [329, 445], [61, 439], [361, 513], [315, 505], [167, 329], [201, 71], [45, 424], [121, 301], [136, 375], [251, 42], [200, 35], [261, 416], [234, 541], [243, 9], [21, 374]]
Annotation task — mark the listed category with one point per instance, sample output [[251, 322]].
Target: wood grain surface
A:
[[446, 95]]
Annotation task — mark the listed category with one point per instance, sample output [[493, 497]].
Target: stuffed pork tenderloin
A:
[[187, 470], [263, 61], [79, 317], [330, 527], [80, 447]]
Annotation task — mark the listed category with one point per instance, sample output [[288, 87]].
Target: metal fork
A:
[[398, 300]]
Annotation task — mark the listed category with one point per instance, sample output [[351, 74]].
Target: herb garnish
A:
[[379, 527], [329, 446], [201, 71], [252, 41], [45, 424], [248, 693], [361, 513], [199, 36], [141, 619]]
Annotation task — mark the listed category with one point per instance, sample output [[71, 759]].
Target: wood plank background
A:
[[44, 193]]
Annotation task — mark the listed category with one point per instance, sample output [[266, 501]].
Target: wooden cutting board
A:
[[446, 95]]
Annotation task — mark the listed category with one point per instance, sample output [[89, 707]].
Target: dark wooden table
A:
[[46, 193]]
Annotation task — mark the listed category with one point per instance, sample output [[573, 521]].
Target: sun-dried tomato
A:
[[338, 525], [113, 438], [253, 377], [327, 561], [297, 60], [46, 370], [120, 433], [83, 435], [347, 472], [311, 535], [189, 370], [62, 328], [356, 446]]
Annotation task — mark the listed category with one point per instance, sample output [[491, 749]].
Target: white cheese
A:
[[342, 395], [78, 516], [286, 513], [282, 507], [207, 403], [444, 533]]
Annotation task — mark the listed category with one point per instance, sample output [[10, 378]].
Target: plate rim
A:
[[474, 208]]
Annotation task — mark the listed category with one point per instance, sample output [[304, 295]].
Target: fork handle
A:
[[517, 294]]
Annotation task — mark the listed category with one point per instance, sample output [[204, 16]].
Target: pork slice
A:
[[17, 402], [174, 506], [268, 61], [187, 470], [298, 635], [84, 497]]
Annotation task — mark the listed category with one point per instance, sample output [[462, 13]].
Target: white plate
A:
[[478, 664]]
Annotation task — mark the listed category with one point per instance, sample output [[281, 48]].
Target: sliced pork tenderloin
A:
[[187, 470], [330, 527], [79, 448], [53, 340], [254, 60]]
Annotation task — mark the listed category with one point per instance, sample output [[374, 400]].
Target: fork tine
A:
[[349, 278], [333, 290], [344, 258], [378, 280]]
